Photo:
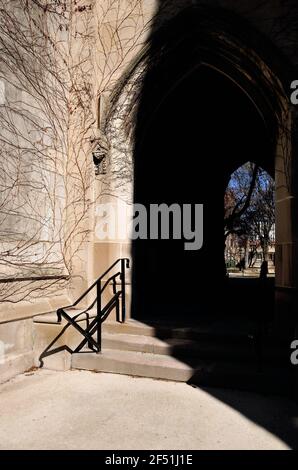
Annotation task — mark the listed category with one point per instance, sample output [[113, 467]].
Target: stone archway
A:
[[199, 39]]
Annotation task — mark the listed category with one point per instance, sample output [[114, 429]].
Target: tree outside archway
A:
[[249, 220]]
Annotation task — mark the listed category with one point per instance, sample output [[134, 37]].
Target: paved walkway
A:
[[85, 410]]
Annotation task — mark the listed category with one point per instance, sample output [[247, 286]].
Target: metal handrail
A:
[[101, 312], [93, 326], [107, 282], [98, 280]]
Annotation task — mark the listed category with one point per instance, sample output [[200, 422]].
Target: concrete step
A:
[[47, 318], [171, 330], [206, 341], [202, 348], [52, 319], [177, 347], [134, 363], [216, 330], [196, 372], [159, 330]]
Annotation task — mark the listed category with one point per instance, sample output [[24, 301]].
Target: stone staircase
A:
[[212, 353]]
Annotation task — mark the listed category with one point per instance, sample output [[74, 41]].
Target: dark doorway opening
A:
[[196, 135]]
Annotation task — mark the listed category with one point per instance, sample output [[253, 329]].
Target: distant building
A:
[[249, 249]]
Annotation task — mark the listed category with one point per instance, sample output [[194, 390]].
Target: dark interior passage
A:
[[190, 136]]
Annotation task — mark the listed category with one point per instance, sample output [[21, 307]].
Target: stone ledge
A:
[[14, 364], [25, 309]]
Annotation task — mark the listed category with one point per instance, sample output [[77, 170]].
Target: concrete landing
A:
[[84, 410]]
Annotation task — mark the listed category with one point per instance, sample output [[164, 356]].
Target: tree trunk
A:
[[265, 249]]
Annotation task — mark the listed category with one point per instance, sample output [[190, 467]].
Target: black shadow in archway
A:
[[194, 126]]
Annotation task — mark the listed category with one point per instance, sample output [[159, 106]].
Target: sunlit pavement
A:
[[86, 410]]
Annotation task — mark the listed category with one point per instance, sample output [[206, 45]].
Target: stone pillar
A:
[[287, 227]]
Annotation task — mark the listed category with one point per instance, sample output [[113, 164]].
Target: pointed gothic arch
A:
[[199, 39]]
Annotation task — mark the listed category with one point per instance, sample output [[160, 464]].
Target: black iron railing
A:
[[92, 332]]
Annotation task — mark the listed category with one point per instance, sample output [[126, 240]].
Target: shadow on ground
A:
[[282, 421]]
